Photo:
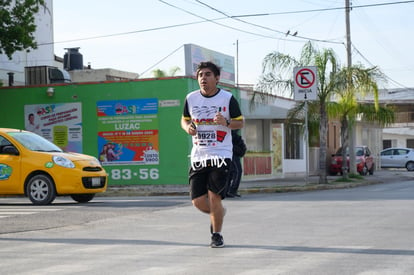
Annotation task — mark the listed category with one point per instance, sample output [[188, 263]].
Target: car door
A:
[[386, 158], [399, 157], [9, 169]]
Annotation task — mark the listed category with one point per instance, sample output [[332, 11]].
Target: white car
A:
[[398, 158]]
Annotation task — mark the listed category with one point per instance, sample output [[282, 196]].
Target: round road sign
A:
[[305, 78]]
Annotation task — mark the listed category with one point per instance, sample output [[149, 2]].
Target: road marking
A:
[[12, 211]]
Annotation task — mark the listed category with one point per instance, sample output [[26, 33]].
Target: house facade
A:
[[12, 71], [401, 132], [139, 120]]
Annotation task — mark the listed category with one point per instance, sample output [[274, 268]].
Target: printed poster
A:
[[128, 131], [60, 123]]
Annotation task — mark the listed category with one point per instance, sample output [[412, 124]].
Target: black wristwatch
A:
[[228, 122]]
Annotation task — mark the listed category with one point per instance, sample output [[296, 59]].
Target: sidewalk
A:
[[274, 185]]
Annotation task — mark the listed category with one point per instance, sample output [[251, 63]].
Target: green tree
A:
[[277, 78], [160, 73], [17, 25], [343, 85], [352, 83], [157, 73]]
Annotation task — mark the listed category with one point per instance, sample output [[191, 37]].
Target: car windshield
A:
[[359, 151], [34, 142]]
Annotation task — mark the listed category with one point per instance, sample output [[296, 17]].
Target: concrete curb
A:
[[251, 188], [309, 187]]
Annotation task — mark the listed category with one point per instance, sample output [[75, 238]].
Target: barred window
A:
[[257, 135], [293, 141]]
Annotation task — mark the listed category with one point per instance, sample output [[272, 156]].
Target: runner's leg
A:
[[202, 203], [216, 211]]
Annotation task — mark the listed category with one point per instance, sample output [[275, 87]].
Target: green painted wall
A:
[[174, 143]]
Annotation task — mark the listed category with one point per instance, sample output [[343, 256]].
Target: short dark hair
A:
[[209, 65]]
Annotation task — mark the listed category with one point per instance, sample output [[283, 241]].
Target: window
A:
[[293, 140], [3, 142], [411, 116], [257, 135], [400, 152], [410, 143], [386, 143], [386, 153], [254, 135]]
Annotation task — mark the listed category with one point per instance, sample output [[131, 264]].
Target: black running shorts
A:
[[209, 177]]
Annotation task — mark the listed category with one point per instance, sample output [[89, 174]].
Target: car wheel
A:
[[364, 171], [82, 198], [371, 171], [41, 190], [410, 166]]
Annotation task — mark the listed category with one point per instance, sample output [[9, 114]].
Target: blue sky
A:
[[141, 36]]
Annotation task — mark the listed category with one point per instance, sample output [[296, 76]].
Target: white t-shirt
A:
[[212, 141]]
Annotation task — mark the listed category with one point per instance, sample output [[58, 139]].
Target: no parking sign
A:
[[306, 83]]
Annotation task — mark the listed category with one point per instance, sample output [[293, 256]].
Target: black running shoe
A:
[[217, 241]]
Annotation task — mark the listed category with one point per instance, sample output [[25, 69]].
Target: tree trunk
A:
[[323, 144], [344, 141], [352, 157]]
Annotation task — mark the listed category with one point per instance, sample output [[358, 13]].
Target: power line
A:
[[266, 28], [373, 31], [244, 31], [160, 61], [214, 21], [217, 19], [237, 17], [175, 26], [326, 9], [126, 33], [318, 10], [372, 65]]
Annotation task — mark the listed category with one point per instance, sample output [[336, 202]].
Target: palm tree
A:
[[158, 73], [351, 83], [346, 107], [277, 78], [345, 85], [347, 110]]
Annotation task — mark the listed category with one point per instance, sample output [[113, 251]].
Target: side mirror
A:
[[10, 150]]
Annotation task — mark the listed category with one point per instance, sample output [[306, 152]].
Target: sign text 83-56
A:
[[129, 174]]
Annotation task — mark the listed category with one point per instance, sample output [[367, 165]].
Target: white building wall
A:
[[371, 136], [296, 167], [397, 140], [43, 55], [100, 75]]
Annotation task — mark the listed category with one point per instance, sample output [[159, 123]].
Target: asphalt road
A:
[[360, 230]]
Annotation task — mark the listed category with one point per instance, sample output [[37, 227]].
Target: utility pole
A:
[[237, 63], [348, 33], [351, 130]]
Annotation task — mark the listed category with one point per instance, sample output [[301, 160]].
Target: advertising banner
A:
[[128, 132], [195, 54], [60, 123]]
